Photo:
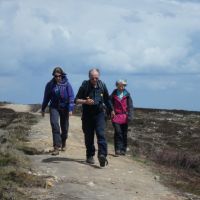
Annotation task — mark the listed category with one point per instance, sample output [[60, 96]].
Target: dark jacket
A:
[[58, 95], [99, 94]]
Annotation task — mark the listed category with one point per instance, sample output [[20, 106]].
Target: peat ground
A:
[[15, 168], [168, 140]]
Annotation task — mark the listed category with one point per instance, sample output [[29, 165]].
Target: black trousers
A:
[[120, 136], [92, 124]]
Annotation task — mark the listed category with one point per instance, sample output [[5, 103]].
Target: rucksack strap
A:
[[86, 85]]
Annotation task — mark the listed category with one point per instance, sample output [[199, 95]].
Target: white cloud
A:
[[121, 37], [140, 36]]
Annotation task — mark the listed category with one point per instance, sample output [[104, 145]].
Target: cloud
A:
[[140, 37], [153, 43]]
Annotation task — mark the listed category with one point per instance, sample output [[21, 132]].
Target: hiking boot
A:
[[123, 153], [55, 152], [102, 160], [63, 149], [90, 160], [117, 153]]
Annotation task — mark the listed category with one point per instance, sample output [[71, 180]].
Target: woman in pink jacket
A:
[[123, 113]]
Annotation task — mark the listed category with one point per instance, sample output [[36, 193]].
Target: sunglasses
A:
[[94, 78], [57, 76]]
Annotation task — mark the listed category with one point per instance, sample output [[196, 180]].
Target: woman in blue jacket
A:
[[60, 97]]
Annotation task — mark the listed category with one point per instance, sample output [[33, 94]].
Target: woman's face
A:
[[120, 87], [58, 77]]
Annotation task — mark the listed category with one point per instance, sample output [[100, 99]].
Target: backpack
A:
[[86, 85], [102, 86]]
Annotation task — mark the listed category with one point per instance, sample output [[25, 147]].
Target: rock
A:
[[157, 178], [91, 184], [49, 183]]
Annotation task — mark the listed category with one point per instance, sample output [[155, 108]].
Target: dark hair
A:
[[93, 69], [58, 70]]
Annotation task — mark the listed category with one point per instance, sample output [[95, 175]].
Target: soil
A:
[[71, 178]]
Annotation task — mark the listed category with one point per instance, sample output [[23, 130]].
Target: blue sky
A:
[[154, 44]]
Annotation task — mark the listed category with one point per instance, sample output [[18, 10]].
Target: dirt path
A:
[[72, 179]]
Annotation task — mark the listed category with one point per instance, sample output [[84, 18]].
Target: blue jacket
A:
[[60, 95]]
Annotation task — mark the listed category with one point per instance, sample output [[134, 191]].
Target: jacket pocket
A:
[[120, 119]]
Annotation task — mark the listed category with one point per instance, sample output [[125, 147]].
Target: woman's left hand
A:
[[70, 113], [112, 114]]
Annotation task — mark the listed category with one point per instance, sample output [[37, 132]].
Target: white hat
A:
[[124, 82]]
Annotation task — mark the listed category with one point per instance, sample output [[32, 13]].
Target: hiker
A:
[[123, 109], [59, 93], [94, 97]]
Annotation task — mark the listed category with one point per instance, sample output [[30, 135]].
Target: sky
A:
[[153, 44]]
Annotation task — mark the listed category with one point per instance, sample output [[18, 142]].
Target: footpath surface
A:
[[71, 178]]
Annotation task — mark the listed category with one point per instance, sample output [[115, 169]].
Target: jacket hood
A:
[[64, 79], [115, 92]]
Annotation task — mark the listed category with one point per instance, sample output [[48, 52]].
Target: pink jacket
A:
[[121, 111], [123, 108]]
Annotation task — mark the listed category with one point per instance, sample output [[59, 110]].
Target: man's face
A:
[[94, 77]]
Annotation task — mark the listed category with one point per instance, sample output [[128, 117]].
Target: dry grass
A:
[[14, 166], [170, 139]]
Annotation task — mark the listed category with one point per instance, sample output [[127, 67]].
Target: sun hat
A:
[[122, 81]]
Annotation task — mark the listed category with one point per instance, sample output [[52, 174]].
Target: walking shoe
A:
[[123, 153], [117, 153], [90, 160], [102, 160], [55, 152], [63, 143], [63, 149]]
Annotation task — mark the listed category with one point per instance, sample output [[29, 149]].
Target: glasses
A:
[[57, 76], [94, 78]]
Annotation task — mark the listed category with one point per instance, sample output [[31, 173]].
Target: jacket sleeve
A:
[[107, 99], [71, 97], [81, 92], [46, 97], [112, 99], [130, 108]]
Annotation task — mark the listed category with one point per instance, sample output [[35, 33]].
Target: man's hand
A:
[[42, 113], [70, 113], [89, 101]]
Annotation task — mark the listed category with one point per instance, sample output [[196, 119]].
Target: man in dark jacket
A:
[[93, 95], [60, 94]]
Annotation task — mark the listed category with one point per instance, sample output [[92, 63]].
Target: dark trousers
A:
[[59, 120], [90, 125], [120, 136]]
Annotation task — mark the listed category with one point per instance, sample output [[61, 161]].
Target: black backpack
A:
[[86, 85]]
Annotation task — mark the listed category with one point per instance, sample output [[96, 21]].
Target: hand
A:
[[70, 113], [89, 101], [112, 114], [43, 114]]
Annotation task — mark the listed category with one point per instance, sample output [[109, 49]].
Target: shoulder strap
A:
[[85, 86], [101, 85]]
